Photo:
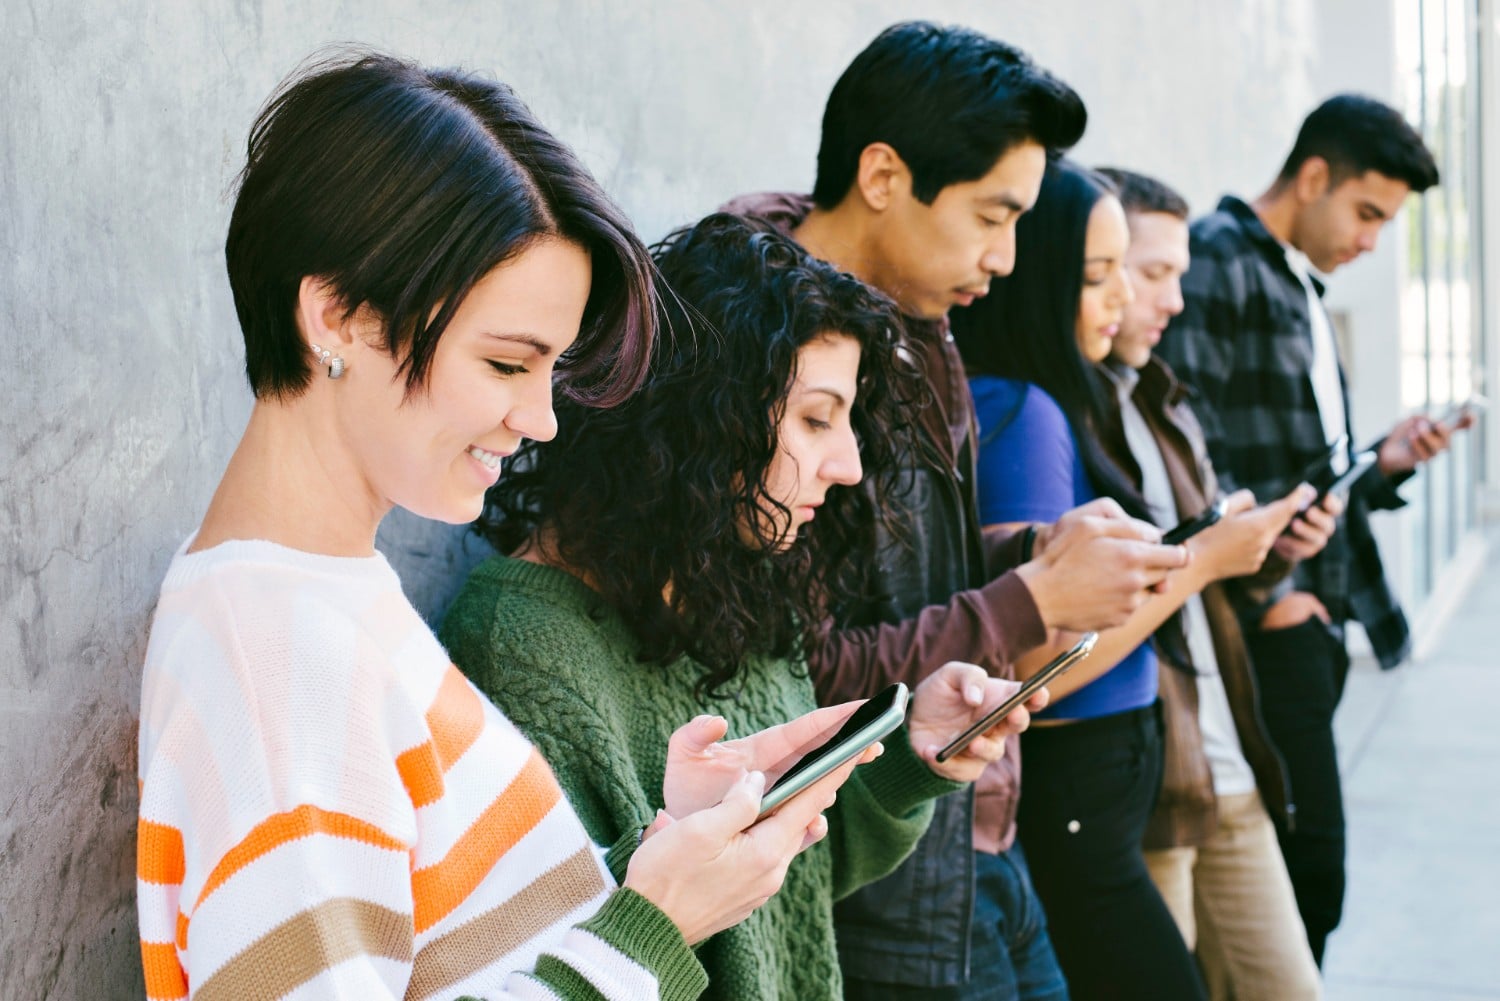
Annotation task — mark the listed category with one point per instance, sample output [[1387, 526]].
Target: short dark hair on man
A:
[[402, 187], [1355, 134], [949, 100], [1139, 193]]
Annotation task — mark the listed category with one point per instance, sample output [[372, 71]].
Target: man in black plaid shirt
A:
[[1255, 343]]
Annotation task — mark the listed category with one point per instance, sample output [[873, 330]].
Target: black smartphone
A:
[[1052, 669], [1319, 472], [1193, 526], [1344, 482], [870, 722]]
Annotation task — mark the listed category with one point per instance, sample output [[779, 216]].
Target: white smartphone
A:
[[875, 719], [1052, 669]]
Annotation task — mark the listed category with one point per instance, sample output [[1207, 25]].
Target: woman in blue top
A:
[[1093, 762]]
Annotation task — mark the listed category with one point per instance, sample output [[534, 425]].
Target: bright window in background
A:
[[1435, 49]]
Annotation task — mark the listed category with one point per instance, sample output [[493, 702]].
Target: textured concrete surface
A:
[[1421, 757], [123, 128]]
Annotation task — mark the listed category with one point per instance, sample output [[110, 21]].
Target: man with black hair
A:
[[1256, 344], [934, 143], [1210, 845]]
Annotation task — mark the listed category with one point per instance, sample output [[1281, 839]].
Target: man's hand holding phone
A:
[[1419, 438], [1095, 566], [1238, 544], [951, 699], [1307, 534]]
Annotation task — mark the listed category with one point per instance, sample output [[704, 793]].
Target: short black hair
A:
[[1355, 134], [669, 487], [1139, 193], [402, 187], [950, 101]]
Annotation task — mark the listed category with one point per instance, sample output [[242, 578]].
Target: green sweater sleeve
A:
[[881, 813]]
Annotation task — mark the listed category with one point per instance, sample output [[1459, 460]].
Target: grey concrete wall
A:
[[123, 126]]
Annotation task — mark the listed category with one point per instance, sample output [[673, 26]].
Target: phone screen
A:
[[866, 714]]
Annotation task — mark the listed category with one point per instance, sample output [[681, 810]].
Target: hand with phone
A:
[[1419, 438], [1095, 566], [1238, 543], [702, 766], [953, 698]]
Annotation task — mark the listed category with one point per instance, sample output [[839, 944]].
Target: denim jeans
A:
[[1010, 955]]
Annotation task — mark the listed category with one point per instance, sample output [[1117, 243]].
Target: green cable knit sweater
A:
[[561, 664]]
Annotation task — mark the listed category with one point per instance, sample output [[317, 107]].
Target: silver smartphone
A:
[[1052, 669], [870, 722], [1475, 404]]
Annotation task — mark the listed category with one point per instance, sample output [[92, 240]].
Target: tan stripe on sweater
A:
[[477, 944], [303, 946]]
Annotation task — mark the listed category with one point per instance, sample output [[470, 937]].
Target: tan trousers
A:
[[1233, 901]]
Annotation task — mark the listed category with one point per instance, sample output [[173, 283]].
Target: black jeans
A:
[[1088, 790], [1301, 674]]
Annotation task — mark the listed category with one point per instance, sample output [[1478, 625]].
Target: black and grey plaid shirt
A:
[[1244, 344]]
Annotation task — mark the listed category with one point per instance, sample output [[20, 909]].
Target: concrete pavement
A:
[[1420, 748]]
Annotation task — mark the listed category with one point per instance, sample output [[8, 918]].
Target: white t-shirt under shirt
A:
[[1328, 390], [1221, 741]]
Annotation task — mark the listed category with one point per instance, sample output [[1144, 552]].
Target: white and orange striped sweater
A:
[[329, 809]]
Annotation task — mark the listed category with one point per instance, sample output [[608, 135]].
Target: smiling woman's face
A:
[[436, 452], [1106, 287]]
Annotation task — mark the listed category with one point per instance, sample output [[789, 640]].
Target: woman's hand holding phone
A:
[[702, 766], [705, 860], [712, 869], [952, 698]]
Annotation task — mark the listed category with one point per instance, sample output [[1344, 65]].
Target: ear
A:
[[320, 314], [882, 176], [1312, 179]]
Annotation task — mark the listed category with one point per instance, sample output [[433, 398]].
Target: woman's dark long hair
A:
[[659, 503], [1024, 329]]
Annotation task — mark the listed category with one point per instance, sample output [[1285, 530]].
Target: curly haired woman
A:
[[678, 554]]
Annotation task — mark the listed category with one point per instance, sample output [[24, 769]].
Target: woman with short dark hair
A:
[[327, 806]]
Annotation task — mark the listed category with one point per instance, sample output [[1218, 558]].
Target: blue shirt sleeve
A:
[[1027, 460]]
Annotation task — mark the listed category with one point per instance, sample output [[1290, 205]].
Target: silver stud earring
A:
[[334, 362]]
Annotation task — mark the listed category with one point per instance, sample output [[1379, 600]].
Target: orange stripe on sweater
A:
[[438, 889], [280, 828], [421, 773], [165, 979], [455, 718], [159, 855]]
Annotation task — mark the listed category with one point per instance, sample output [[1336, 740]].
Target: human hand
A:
[[1237, 544], [709, 871], [701, 767], [1095, 566], [1416, 440], [952, 699], [1293, 610], [1310, 531]]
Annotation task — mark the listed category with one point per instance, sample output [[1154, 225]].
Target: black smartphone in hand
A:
[[1193, 526]]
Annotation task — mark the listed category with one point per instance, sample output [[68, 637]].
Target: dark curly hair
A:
[[667, 489]]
